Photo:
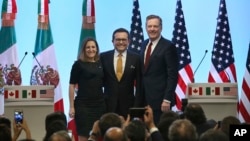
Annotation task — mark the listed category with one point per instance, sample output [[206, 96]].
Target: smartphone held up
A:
[[18, 116]]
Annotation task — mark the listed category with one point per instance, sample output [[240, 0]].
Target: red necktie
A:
[[148, 55]]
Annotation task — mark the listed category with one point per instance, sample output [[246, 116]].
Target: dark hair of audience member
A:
[[109, 120], [5, 121], [5, 133], [53, 127], [58, 115], [195, 113], [164, 125], [182, 130], [226, 122], [213, 135], [136, 130]]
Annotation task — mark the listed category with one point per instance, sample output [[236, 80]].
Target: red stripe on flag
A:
[[92, 8], [72, 127], [217, 91], [244, 112], [200, 90], [33, 93], [46, 7], [58, 106], [246, 89], [14, 7], [190, 90]]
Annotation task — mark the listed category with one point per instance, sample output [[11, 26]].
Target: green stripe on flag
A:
[[4, 6], [7, 38], [24, 94], [208, 91], [45, 42]]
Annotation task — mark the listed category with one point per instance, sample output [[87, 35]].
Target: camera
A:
[[18, 116], [137, 113]]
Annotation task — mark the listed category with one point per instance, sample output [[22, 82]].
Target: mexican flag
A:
[[88, 30], [88, 21], [44, 70], [9, 69]]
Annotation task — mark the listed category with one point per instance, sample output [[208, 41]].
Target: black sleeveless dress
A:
[[89, 102]]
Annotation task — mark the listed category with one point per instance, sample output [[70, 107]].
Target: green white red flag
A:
[[9, 69], [44, 70]]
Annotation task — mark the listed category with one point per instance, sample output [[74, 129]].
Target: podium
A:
[[218, 100], [35, 102]]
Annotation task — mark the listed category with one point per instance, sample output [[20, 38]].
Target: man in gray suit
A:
[[160, 68], [121, 82]]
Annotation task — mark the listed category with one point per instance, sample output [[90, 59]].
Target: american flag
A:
[[244, 103], [136, 32], [223, 68], [180, 40]]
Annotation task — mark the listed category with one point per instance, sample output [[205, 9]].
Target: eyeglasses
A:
[[119, 40]]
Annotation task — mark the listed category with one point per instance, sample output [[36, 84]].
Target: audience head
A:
[[169, 114], [164, 125], [195, 113], [5, 132], [182, 130], [55, 126], [58, 115], [5, 121], [109, 120], [115, 134], [213, 135], [227, 121], [136, 131], [61, 135]]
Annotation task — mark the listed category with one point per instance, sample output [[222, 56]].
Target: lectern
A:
[[217, 99], [35, 102]]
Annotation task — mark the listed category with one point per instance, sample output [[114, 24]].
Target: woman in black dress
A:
[[86, 75]]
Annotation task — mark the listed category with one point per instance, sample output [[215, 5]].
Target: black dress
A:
[[89, 102]]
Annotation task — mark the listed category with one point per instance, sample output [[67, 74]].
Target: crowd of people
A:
[[103, 86], [191, 126]]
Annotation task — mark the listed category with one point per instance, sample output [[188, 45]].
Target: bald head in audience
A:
[[115, 134]]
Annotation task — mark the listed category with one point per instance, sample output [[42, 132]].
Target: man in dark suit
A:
[[160, 68], [121, 91]]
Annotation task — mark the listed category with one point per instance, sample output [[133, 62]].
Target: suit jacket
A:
[[160, 77], [120, 94]]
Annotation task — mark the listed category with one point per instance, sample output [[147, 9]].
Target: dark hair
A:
[[58, 115], [195, 113], [213, 135], [120, 30], [82, 53], [227, 121], [109, 120], [5, 121], [5, 133], [53, 127], [136, 130]]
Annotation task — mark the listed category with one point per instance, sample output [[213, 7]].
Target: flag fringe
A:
[[42, 25], [6, 23], [88, 22]]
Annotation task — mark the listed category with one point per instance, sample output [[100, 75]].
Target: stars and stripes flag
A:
[[44, 70], [9, 69], [136, 32], [244, 102], [222, 68], [180, 39]]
